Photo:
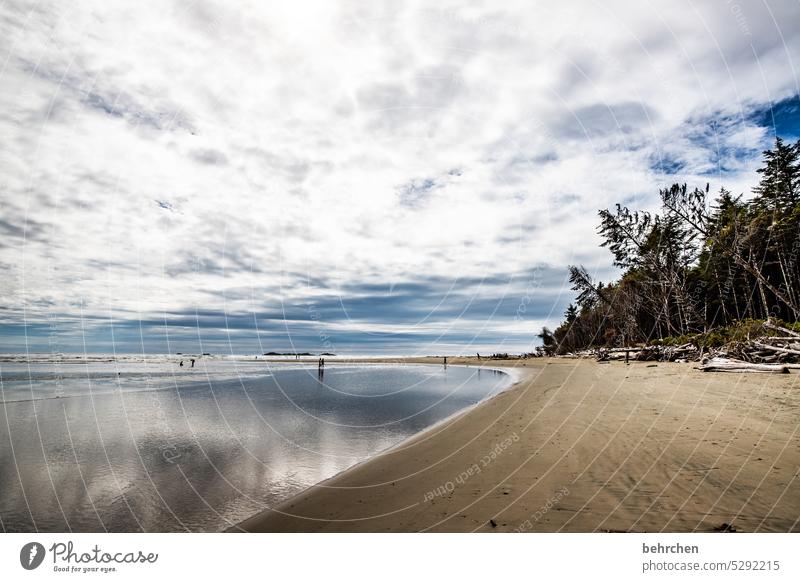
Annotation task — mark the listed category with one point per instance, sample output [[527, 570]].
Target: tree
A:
[[749, 243], [696, 264], [662, 247], [589, 294], [548, 341], [571, 314], [779, 188]]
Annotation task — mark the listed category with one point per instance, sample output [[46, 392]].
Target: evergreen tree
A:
[[695, 265], [548, 340], [571, 314], [779, 188]]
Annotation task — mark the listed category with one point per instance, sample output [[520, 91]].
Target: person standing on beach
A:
[[445, 361], [192, 362]]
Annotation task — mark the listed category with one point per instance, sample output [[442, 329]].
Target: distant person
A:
[[445, 361], [479, 356], [181, 364], [192, 362]]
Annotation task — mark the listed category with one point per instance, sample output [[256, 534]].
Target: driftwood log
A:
[[777, 352], [727, 365], [776, 349], [783, 330]]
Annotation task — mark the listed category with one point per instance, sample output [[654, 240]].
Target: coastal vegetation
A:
[[705, 269]]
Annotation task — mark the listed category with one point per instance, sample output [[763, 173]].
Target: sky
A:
[[354, 177]]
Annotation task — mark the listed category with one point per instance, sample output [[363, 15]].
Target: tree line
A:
[[703, 262]]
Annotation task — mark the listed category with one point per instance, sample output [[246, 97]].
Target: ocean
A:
[[127, 444]]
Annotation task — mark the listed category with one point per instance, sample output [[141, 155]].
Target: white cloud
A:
[[160, 158]]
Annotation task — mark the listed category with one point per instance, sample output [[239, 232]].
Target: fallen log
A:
[[783, 330], [776, 349], [725, 365]]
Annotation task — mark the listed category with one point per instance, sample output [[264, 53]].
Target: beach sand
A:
[[580, 446]]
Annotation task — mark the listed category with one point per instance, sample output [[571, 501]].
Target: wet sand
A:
[[580, 446]]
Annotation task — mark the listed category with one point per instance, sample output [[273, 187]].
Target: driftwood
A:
[[647, 353], [776, 349], [726, 365], [783, 330], [781, 350], [763, 353]]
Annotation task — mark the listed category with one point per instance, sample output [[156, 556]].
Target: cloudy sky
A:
[[354, 177]]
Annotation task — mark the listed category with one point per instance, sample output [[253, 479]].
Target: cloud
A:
[[598, 121], [414, 193], [386, 174], [209, 157]]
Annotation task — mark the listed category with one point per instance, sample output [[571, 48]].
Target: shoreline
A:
[[574, 445], [515, 378]]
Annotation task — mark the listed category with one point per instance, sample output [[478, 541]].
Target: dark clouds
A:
[[407, 316]]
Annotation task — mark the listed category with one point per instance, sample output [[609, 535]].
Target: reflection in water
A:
[[203, 455]]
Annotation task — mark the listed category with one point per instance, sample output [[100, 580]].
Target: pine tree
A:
[[779, 188], [548, 340], [571, 314], [695, 265]]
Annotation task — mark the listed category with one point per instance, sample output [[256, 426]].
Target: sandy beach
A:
[[580, 446]]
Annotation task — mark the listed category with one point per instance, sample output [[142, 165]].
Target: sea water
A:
[[127, 444]]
